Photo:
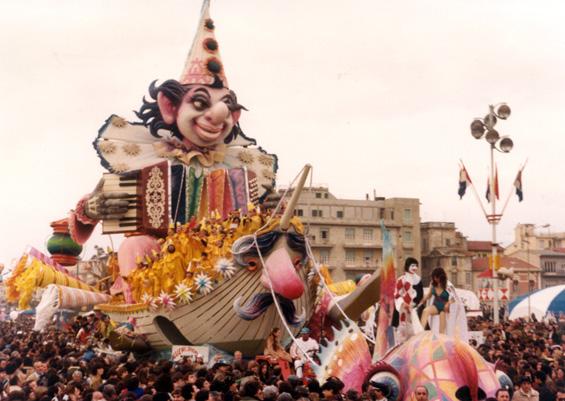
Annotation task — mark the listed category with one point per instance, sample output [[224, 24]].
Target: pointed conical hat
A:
[[204, 65]]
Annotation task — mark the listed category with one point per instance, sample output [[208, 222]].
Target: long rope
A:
[[331, 294], [256, 245], [317, 267]]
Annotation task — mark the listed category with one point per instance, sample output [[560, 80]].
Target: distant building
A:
[[345, 234], [544, 250], [482, 249], [444, 246], [524, 273]]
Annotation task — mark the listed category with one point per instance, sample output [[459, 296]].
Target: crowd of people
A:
[[530, 353], [72, 363]]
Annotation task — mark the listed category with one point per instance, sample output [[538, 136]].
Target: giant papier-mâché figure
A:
[[192, 125]]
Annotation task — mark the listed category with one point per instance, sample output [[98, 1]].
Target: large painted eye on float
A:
[[505, 381], [384, 377]]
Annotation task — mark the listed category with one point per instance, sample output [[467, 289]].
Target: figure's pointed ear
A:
[[235, 115], [167, 108]]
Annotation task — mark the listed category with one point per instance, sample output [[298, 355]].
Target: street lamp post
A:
[[485, 127]]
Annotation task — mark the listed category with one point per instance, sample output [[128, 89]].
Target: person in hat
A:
[[525, 392], [190, 128], [303, 349]]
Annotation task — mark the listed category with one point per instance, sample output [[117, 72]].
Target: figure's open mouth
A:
[[208, 132]]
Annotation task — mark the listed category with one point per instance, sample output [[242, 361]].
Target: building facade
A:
[[444, 246], [542, 249], [525, 276], [345, 234]]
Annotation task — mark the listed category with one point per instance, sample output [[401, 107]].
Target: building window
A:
[[367, 234], [368, 256], [454, 261], [318, 195], [392, 214], [447, 242], [349, 232], [454, 278], [324, 234], [339, 214], [325, 256], [549, 267], [407, 215], [468, 278], [408, 236], [381, 213], [326, 195], [299, 212], [317, 213], [349, 256]]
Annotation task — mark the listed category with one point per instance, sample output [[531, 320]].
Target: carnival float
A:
[[213, 257]]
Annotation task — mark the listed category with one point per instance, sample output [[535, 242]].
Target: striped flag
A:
[[518, 186], [496, 193], [464, 179]]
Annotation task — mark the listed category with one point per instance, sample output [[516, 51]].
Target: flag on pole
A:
[[384, 338], [464, 179], [487, 194], [518, 185]]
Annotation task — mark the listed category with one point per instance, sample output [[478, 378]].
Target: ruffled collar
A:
[[176, 149]]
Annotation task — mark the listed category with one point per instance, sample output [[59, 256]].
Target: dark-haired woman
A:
[[273, 347], [441, 301]]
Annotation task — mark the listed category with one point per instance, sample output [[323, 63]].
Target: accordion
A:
[[163, 194], [148, 196]]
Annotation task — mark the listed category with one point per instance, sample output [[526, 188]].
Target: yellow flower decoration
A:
[[118, 122], [246, 157], [107, 147], [120, 168], [131, 149], [269, 174], [265, 160]]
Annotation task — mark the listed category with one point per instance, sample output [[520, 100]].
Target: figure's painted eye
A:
[[504, 381], [200, 103], [389, 382], [297, 262]]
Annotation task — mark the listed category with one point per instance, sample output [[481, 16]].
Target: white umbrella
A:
[[540, 302]]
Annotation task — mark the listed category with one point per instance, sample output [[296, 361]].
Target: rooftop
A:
[[509, 262]]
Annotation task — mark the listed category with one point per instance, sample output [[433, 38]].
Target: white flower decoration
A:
[[166, 301], [146, 299], [183, 293], [225, 267], [203, 283]]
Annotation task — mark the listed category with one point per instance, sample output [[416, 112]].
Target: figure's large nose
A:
[[218, 113]]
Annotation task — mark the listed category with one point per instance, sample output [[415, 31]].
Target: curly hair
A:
[[441, 276], [151, 117]]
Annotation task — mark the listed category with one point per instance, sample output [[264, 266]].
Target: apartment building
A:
[[345, 234], [543, 249]]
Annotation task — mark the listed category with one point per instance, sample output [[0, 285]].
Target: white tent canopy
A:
[[538, 304], [469, 299]]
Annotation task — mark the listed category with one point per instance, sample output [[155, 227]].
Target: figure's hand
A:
[[272, 199], [105, 206]]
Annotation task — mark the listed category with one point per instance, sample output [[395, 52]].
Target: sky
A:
[[376, 95]]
